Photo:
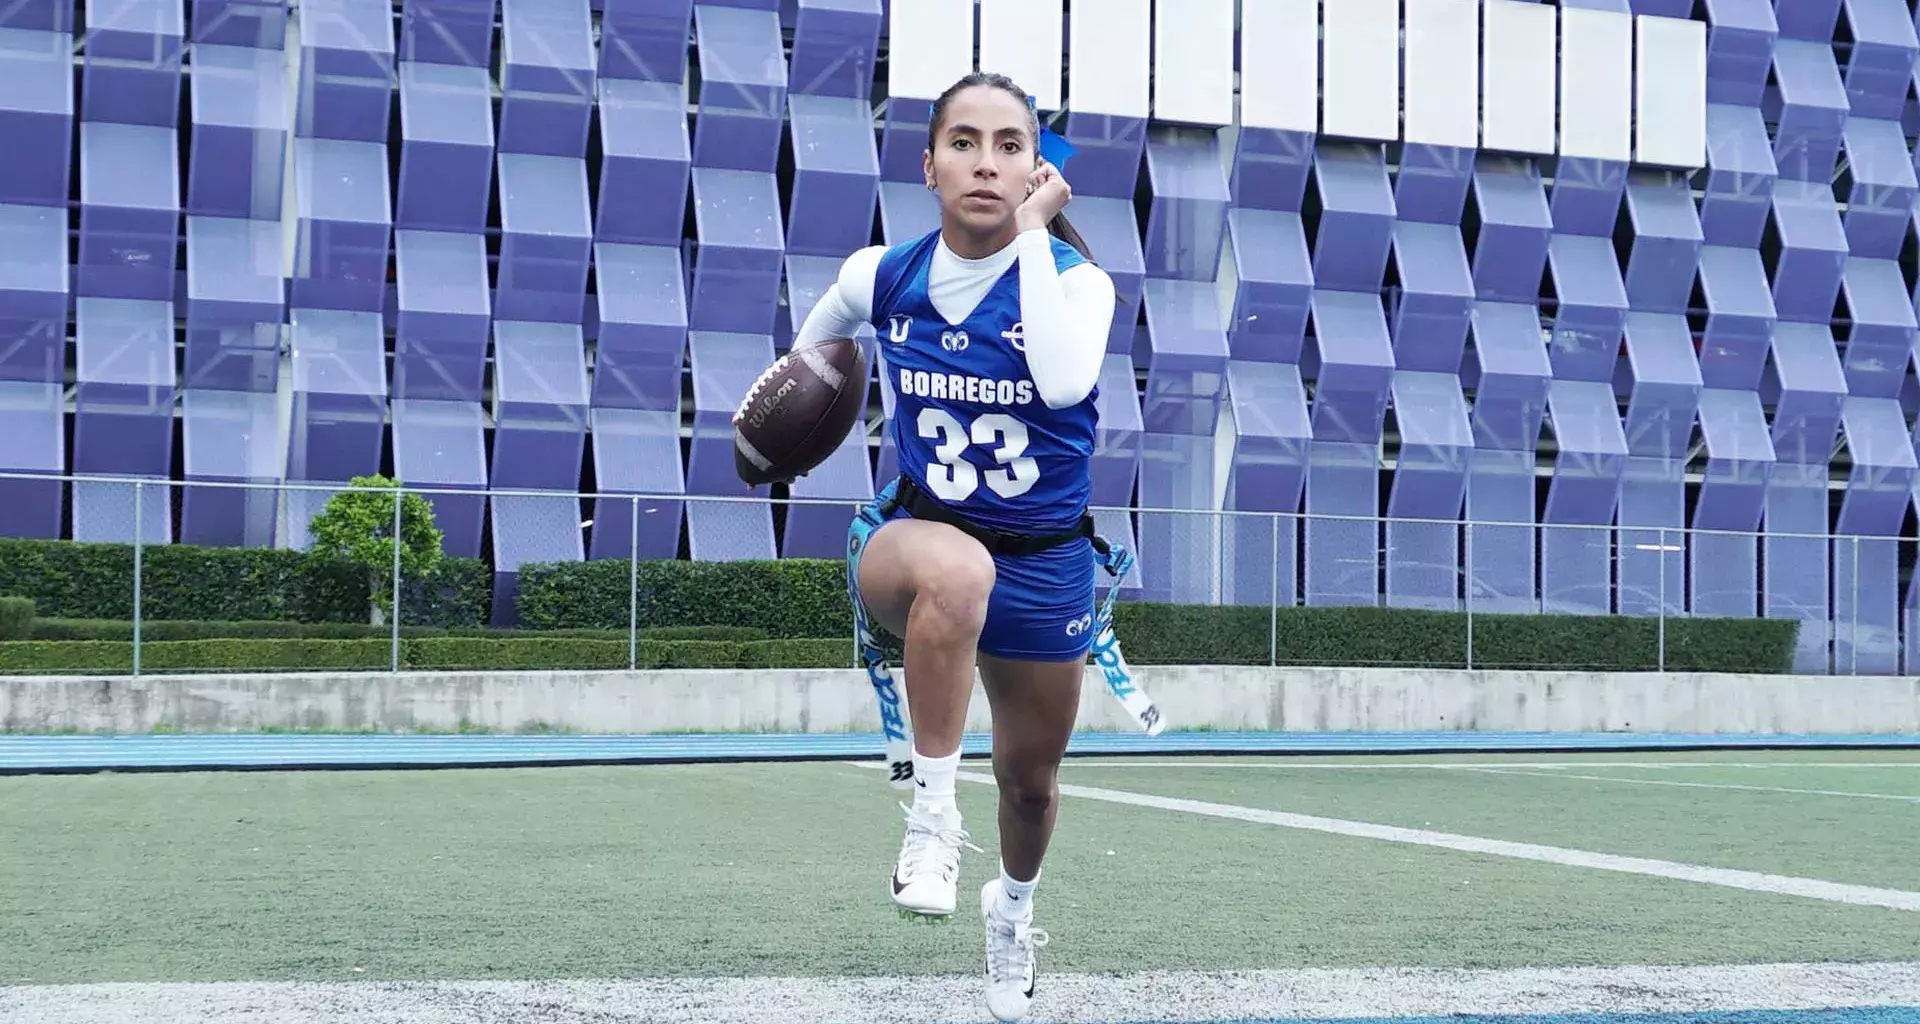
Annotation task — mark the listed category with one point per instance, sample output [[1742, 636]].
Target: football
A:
[[799, 411]]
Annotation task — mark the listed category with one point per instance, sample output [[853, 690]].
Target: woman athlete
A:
[[992, 332]]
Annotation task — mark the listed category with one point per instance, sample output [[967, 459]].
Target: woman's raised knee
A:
[[954, 583]]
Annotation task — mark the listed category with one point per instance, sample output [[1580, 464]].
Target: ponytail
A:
[[1063, 229]]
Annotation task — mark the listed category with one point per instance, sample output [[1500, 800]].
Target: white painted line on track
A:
[[1182, 996], [1753, 881], [1699, 785]]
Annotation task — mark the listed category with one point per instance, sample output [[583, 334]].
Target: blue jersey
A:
[[968, 421]]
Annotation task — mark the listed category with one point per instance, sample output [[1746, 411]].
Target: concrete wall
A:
[[839, 700]]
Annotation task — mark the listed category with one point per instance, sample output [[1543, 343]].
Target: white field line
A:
[[1700, 785], [1079, 763], [1753, 881], [1183, 996]]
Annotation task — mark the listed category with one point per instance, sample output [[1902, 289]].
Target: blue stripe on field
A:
[[1842, 1015], [283, 750]]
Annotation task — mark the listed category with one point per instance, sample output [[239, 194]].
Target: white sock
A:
[[933, 782], [1016, 897]]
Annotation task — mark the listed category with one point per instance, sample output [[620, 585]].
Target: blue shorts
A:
[[1042, 604]]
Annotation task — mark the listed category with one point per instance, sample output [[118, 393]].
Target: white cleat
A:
[[927, 874], [1011, 943]]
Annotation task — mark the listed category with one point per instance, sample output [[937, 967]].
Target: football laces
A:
[[753, 392]]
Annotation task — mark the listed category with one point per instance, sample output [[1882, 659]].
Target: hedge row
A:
[[807, 598], [178, 581], [187, 629], [433, 653]]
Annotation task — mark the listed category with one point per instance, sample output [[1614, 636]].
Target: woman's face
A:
[[981, 157]]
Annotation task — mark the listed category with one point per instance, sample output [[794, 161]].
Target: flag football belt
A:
[[896, 733], [918, 504]]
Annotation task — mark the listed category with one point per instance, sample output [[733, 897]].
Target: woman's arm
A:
[[1065, 319], [848, 302]]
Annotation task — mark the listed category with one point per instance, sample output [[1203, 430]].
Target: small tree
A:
[[357, 527]]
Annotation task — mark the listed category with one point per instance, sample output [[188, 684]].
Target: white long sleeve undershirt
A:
[[1065, 317]]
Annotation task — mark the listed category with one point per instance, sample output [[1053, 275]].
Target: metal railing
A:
[[1641, 576]]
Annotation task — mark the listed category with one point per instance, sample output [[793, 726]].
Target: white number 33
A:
[[953, 479]]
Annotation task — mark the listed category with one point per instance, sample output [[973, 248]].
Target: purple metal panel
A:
[[903, 141], [724, 367], [36, 114], [1665, 376], [345, 222], [643, 327], [1880, 64], [1187, 361], [1880, 340], [1271, 168], [1431, 184], [836, 44], [238, 158], [646, 163], [123, 414], [1740, 40], [1740, 317], [442, 445], [546, 238], [446, 154], [1269, 474], [636, 451], [908, 211], [33, 294], [1350, 214], [1435, 300], [1724, 577], [546, 77], [836, 176], [1509, 364], [440, 335], [129, 211], [1880, 186], [1883, 467], [540, 405], [41, 16], [1740, 177], [339, 396], [1585, 198], [456, 32], [1591, 311], [1352, 367], [32, 418], [743, 88], [232, 437], [1187, 216], [1665, 253], [1812, 106], [645, 40], [259, 24], [134, 52], [1429, 483], [1807, 387], [736, 269], [346, 70], [234, 304], [1508, 227], [1274, 277], [1812, 246], [1110, 230], [1109, 153]]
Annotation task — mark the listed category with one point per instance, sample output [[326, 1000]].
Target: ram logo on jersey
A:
[[954, 341], [955, 387]]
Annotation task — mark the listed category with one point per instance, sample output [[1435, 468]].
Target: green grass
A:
[[781, 870]]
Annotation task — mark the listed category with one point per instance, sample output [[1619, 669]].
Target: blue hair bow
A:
[[1054, 148]]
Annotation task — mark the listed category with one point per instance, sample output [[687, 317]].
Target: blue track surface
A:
[[1861, 1015], [31, 754]]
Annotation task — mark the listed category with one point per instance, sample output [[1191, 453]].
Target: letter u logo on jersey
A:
[[897, 328], [953, 341]]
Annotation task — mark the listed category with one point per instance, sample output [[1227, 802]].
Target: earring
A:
[[932, 187]]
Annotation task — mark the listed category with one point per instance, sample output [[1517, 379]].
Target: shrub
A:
[[178, 629], [427, 653], [793, 597], [16, 618], [181, 582], [357, 527]]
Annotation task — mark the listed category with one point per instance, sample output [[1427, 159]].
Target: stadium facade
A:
[[1577, 274]]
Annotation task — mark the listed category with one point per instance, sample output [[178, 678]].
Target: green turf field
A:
[[779, 870]]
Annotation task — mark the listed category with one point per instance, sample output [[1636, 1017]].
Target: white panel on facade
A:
[[1110, 50], [1362, 69], [1517, 77], [1443, 72], [1671, 92], [1596, 84], [1280, 65], [1021, 39], [1193, 62], [930, 46]]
